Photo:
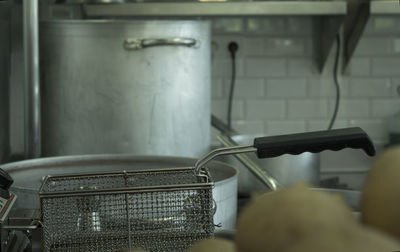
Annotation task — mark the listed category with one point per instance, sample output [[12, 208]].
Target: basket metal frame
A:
[[205, 174], [204, 183]]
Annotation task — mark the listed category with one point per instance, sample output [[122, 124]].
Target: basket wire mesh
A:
[[158, 210]]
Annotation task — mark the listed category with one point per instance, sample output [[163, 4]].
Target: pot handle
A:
[[136, 43], [314, 142]]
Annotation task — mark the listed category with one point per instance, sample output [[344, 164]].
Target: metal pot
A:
[[4, 63], [139, 87], [286, 169], [28, 177]]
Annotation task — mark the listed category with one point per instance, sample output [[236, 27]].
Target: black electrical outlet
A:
[[233, 47]]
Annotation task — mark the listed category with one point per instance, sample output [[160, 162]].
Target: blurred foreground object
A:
[[276, 221], [213, 245], [380, 200]]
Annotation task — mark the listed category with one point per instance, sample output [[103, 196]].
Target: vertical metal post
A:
[[5, 52], [32, 86]]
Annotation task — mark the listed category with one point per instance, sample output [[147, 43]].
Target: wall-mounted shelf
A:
[[385, 7], [219, 9], [328, 15]]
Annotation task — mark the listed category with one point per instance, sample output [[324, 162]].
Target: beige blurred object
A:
[[380, 200], [277, 220], [213, 245], [347, 240]]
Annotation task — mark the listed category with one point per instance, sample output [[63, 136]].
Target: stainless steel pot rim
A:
[[230, 172], [168, 22], [94, 158]]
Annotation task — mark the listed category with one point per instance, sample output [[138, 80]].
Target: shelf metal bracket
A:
[[325, 29], [354, 24]]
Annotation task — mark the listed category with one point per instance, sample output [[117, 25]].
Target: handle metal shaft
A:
[[136, 43], [220, 152], [254, 168]]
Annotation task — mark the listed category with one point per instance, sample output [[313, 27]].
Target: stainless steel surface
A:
[[4, 80], [100, 98], [220, 9], [286, 169], [32, 84], [17, 82], [158, 210], [253, 167], [384, 7], [137, 43], [28, 177]]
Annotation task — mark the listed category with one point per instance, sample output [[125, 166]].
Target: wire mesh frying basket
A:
[[158, 210]]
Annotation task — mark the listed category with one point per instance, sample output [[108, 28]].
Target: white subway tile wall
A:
[[265, 66], [282, 126], [285, 46], [396, 45], [382, 108], [279, 89], [265, 109], [218, 108], [370, 87], [386, 66], [360, 66], [322, 86], [310, 108], [313, 125], [348, 109], [245, 87], [287, 87], [374, 46]]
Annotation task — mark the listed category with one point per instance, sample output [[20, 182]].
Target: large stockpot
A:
[[138, 87], [4, 73], [28, 176]]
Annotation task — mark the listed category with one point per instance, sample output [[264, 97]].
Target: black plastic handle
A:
[[314, 142]]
